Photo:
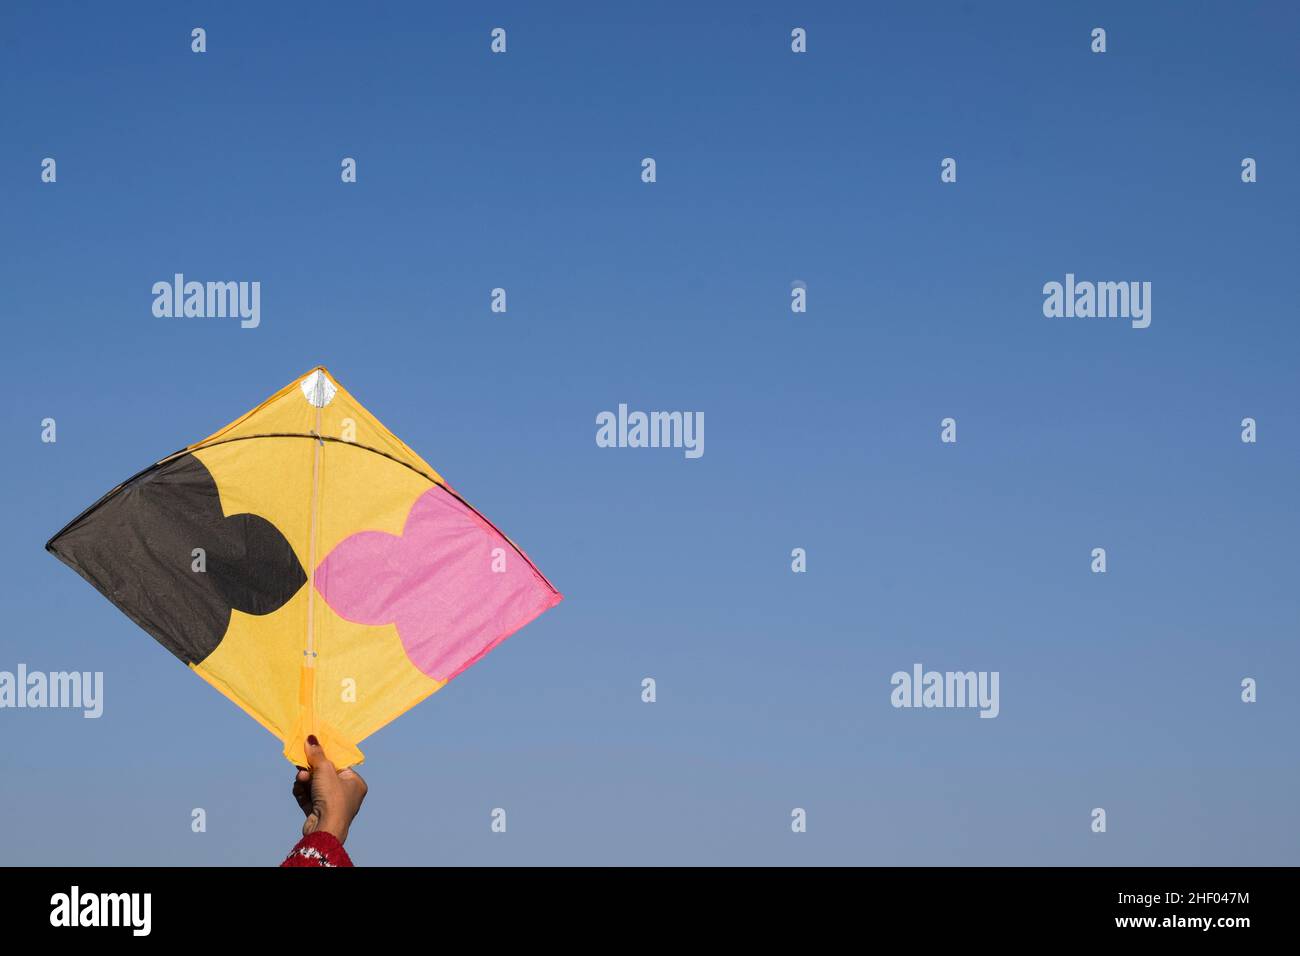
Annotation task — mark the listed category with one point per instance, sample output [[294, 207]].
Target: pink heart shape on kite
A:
[[436, 582]]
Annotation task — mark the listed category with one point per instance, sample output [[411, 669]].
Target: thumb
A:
[[316, 758]]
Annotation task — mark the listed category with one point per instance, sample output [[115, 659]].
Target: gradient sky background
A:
[[822, 430]]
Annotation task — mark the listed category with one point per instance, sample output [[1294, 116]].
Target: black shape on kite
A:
[[136, 546]]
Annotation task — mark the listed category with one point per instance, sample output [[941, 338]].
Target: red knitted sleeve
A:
[[318, 849]]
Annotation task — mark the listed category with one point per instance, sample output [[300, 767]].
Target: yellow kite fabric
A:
[[309, 565]]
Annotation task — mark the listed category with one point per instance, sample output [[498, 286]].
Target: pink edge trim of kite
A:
[[555, 598]]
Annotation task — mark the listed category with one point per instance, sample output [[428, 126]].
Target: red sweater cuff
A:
[[318, 849]]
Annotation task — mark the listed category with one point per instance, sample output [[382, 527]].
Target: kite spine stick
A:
[[307, 690]]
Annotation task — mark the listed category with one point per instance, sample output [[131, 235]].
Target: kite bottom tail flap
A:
[[341, 752]]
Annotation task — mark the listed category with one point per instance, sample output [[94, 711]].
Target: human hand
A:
[[330, 798]]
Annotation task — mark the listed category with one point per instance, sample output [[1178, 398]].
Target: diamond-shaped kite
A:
[[309, 565]]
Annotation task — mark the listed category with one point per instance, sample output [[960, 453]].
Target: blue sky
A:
[[522, 171]]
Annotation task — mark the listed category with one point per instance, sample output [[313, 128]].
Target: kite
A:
[[308, 565]]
